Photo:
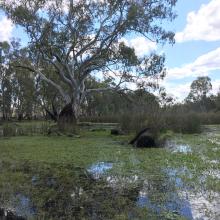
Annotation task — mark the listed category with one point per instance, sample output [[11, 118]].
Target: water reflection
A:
[[175, 174], [18, 207], [159, 194], [178, 148], [175, 205], [205, 205], [163, 192], [59, 192], [105, 191], [23, 206], [182, 149], [98, 169]]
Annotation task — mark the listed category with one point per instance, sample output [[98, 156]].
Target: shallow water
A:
[[20, 205], [166, 194], [182, 149], [178, 148], [176, 205], [116, 181], [172, 202], [98, 169], [180, 199], [23, 206]]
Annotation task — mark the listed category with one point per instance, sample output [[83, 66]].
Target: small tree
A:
[[80, 38], [5, 81], [199, 90]]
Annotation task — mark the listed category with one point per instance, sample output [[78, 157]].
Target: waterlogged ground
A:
[[99, 176]]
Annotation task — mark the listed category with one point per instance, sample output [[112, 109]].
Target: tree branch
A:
[[49, 81]]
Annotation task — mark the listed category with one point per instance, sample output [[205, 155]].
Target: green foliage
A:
[[131, 122], [217, 101], [199, 90], [128, 55], [101, 119], [29, 128], [79, 39], [188, 123], [209, 118]]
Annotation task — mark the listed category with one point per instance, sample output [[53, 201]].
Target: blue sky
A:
[[195, 53]]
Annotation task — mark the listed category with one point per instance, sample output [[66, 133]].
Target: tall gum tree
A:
[[80, 38]]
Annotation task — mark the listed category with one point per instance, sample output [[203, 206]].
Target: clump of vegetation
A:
[[183, 123], [9, 129], [26, 128], [209, 118]]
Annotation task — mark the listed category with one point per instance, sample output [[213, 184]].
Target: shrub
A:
[[210, 118], [8, 129], [133, 122], [183, 122], [101, 119], [161, 121]]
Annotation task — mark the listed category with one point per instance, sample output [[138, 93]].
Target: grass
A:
[[64, 160], [80, 151]]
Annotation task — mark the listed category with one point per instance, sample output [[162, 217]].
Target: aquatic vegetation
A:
[[97, 177]]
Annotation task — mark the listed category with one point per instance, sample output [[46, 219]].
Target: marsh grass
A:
[[25, 128], [53, 173]]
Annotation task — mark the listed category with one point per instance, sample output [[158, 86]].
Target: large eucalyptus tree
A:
[[80, 38]]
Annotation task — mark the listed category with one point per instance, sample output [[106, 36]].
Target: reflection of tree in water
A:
[[85, 197], [63, 192], [164, 192], [60, 192], [160, 196]]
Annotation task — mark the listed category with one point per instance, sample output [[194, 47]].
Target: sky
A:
[[195, 53]]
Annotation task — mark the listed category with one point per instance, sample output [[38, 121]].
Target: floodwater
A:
[[178, 148], [180, 200], [18, 206], [99, 169], [125, 188], [100, 192]]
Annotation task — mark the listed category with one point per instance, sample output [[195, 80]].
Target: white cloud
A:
[[216, 86], [179, 91], [141, 45], [64, 5], [6, 27], [203, 24], [203, 65]]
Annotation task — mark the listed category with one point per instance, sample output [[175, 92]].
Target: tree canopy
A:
[[200, 88], [80, 38]]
